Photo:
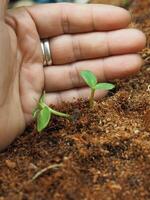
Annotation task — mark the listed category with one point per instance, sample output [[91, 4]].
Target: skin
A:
[[92, 37]]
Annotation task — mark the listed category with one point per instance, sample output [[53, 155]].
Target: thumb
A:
[[3, 6]]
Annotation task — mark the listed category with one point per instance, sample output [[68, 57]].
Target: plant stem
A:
[[92, 97], [41, 105], [56, 112], [59, 113]]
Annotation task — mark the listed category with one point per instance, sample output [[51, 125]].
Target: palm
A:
[[10, 99], [31, 74], [20, 91], [27, 63]]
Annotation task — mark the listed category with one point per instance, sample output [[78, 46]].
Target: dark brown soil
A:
[[102, 155]]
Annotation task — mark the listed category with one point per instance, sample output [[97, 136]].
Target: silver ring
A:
[[47, 60]]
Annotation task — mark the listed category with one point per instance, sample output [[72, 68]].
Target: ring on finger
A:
[[47, 59]]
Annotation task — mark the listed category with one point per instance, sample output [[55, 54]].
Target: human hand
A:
[[93, 37]]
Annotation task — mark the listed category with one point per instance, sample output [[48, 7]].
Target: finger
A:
[[3, 5], [71, 48], [72, 96], [68, 76], [56, 19]]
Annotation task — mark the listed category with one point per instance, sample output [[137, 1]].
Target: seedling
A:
[[91, 81], [43, 114]]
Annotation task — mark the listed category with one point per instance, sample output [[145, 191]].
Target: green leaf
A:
[[42, 98], [35, 112], [104, 86], [89, 78], [43, 118]]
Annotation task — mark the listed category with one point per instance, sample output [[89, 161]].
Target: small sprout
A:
[[43, 114], [91, 81]]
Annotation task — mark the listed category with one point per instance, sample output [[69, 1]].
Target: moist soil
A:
[[103, 154]]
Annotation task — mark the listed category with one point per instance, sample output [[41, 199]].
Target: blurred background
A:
[[30, 2], [18, 3]]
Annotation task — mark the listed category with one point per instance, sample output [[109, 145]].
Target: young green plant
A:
[[43, 114], [91, 81]]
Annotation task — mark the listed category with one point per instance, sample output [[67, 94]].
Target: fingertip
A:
[[121, 16], [141, 39], [126, 15], [133, 63], [126, 41], [122, 66], [137, 62]]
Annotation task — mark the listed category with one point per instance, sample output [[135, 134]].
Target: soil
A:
[[104, 154]]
